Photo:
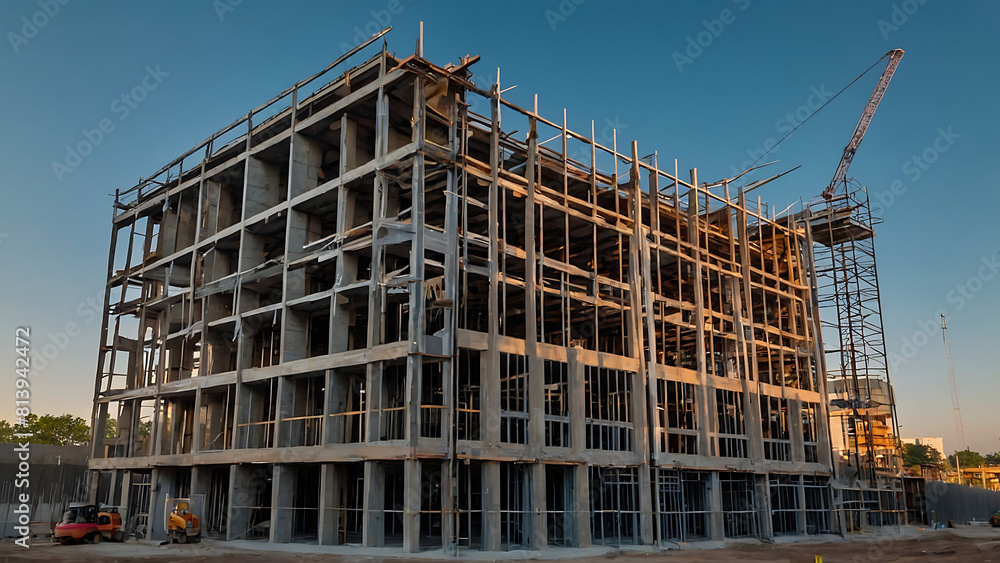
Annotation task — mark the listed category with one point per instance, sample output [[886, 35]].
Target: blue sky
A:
[[708, 83]]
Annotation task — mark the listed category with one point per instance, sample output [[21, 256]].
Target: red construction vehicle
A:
[[88, 522]]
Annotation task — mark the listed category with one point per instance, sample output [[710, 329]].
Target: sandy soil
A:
[[979, 544]]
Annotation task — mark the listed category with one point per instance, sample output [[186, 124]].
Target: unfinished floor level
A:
[[369, 313]]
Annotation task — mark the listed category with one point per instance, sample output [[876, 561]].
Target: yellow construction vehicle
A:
[[182, 524]]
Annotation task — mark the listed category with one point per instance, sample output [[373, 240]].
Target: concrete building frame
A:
[[374, 316]]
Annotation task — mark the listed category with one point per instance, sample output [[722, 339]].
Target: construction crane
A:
[[954, 386], [845, 229], [866, 118]]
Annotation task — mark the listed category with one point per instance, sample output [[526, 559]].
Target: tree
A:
[[111, 428], [993, 458], [63, 430], [967, 458], [144, 428], [920, 454], [6, 432]]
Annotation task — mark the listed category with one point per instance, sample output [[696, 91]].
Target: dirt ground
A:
[[979, 544]]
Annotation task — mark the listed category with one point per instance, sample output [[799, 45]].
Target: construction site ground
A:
[[967, 543]]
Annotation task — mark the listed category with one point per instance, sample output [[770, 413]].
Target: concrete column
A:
[[282, 501], [643, 381], [239, 494], [113, 488], [800, 514], [241, 410], [764, 507], [491, 506], [197, 428], [577, 403], [538, 505], [373, 534], [414, 381], [706, 412], [581, 504], [754, 424], [328, 393], [491, 358], [795, 431], [161, 487], [449, 486], [716, 519], [285, 399], [411, 505], [95, 484], [329, 504], [125, 496], [97, 447], [646, 505]]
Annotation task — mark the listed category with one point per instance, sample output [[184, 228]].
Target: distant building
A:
[[936, 442]]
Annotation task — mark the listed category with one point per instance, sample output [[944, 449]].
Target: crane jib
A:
[[866, 117]]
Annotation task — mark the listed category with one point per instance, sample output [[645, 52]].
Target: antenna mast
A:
[[954, 386]]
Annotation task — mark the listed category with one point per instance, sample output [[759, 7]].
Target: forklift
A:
[[90, 523]]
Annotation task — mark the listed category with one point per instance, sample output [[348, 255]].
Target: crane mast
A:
[[866, 118]]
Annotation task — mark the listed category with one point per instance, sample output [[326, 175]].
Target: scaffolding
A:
[[863, 411]]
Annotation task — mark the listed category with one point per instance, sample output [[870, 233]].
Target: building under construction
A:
[[367, 313]]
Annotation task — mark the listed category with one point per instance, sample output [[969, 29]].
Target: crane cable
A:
[[818, 110]]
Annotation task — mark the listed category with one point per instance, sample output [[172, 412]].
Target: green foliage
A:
[[63, 430], [993, 458], [143, 431], [111, 428], [967, 458], [920, 454], [6, 432]]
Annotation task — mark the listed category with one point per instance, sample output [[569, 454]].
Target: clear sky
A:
[[708, 83]]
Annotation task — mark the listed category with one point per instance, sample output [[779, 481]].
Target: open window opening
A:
[[614, 505], [608, 394], [218, 413], [681, 499], [303, 422], [391, 405], [677, 410], [513, 398], [468, 407], [732, 424], [257, 413], [347, 406], [251, 502]]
